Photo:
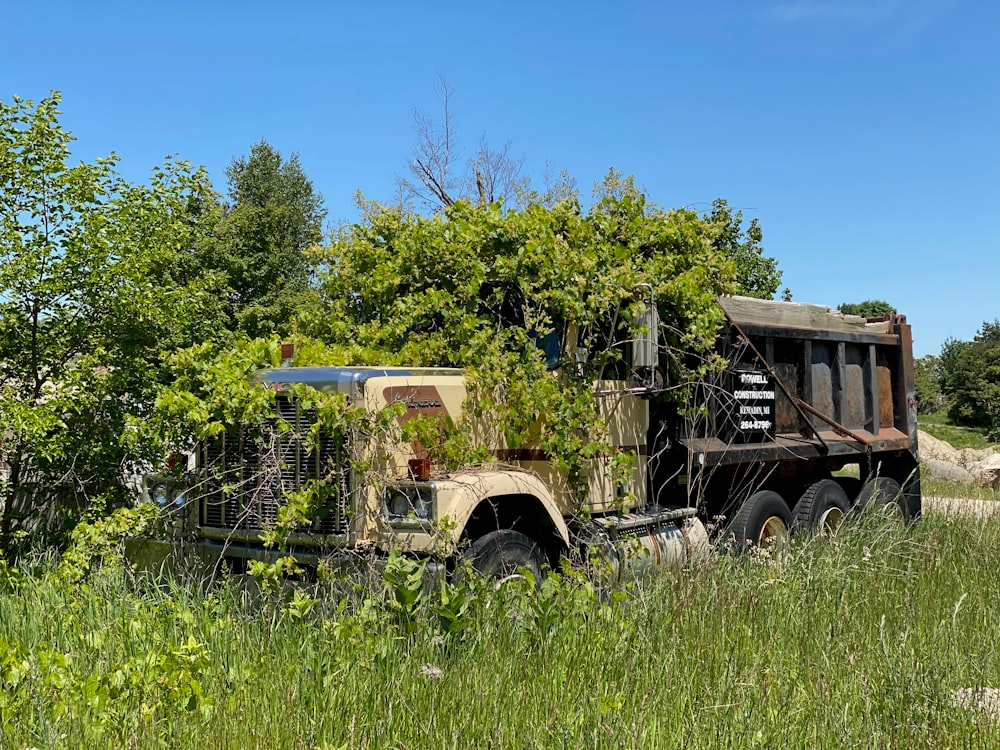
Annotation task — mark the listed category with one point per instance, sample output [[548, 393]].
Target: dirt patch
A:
[[960, 507], [983, 699], [931, 447]]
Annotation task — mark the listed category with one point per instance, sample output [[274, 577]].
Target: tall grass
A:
[[856, 642]]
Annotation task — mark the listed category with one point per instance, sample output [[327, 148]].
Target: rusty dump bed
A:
[[807, 381]]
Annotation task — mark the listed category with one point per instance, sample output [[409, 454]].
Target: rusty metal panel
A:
[[786, 417], [854, 398], [886, 412], [822, 389]]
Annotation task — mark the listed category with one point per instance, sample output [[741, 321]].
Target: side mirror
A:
[[646, 349]]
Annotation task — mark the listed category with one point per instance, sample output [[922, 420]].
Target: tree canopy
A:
[[927, 384], [970, 379], [870, 308], [84, 313], [757, 275], [422, 290], [260, 238]]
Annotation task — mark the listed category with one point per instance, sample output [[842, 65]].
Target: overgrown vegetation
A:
[[535, 304], [87, 303], [127, 321], [112, 291], [857, 642]]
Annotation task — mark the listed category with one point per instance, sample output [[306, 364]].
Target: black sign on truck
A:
[[750, 413]]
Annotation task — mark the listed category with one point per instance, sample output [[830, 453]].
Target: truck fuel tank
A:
[[622, 548]]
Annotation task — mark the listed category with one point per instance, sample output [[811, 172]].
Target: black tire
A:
[[821, 509], [763, 520], [911, 500], [502, 553], [851, 487], [883, 495]]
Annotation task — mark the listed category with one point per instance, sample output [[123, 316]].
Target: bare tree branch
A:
[[494, 174], [431, 166], [490, 174]]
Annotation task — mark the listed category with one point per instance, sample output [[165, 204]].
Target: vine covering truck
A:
[[806, 393]]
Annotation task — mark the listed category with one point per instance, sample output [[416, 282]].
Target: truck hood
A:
[[342, 379]]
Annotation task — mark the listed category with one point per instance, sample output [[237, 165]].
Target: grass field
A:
[[938, 425], [934, 487], [857, 642]]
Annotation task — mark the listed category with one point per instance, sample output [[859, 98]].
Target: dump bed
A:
[[807, 381]]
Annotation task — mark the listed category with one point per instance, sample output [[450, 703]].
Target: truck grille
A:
[[247, 473]]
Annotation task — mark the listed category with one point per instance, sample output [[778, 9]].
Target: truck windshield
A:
[[551, 345], [504, 303]]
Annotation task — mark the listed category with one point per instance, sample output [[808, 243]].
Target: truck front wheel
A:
[[502, 553], [762, 521]]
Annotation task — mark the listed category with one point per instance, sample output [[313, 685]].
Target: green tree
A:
[[84, 314], [756, 274], [870, 308], [927, 384], [970, 379], [273, 217]]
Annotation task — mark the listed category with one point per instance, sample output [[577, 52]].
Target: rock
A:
[[987, 471], [972, 455], [947, 470], [968, 466], [931, 447]]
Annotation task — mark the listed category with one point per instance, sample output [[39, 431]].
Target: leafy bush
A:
[[870, 308]]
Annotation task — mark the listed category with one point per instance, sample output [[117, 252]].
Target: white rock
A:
[[948, 470], [931, 447], [987, 471]]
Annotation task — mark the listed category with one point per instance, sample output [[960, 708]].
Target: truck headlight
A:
[[164, 493], [160, 495], [414, 502]]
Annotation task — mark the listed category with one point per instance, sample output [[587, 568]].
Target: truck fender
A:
[[460, 494]]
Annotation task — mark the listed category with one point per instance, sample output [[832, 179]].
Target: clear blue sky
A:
[[864, 134]]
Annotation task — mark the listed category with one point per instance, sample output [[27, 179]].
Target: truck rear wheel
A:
[[762, 521], [851, 487], [822, 508], [502, 553], [884, 495]]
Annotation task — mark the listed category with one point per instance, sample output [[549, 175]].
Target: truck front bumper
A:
[[205, 557]]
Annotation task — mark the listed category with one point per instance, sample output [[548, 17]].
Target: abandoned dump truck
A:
[[757, 454]]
